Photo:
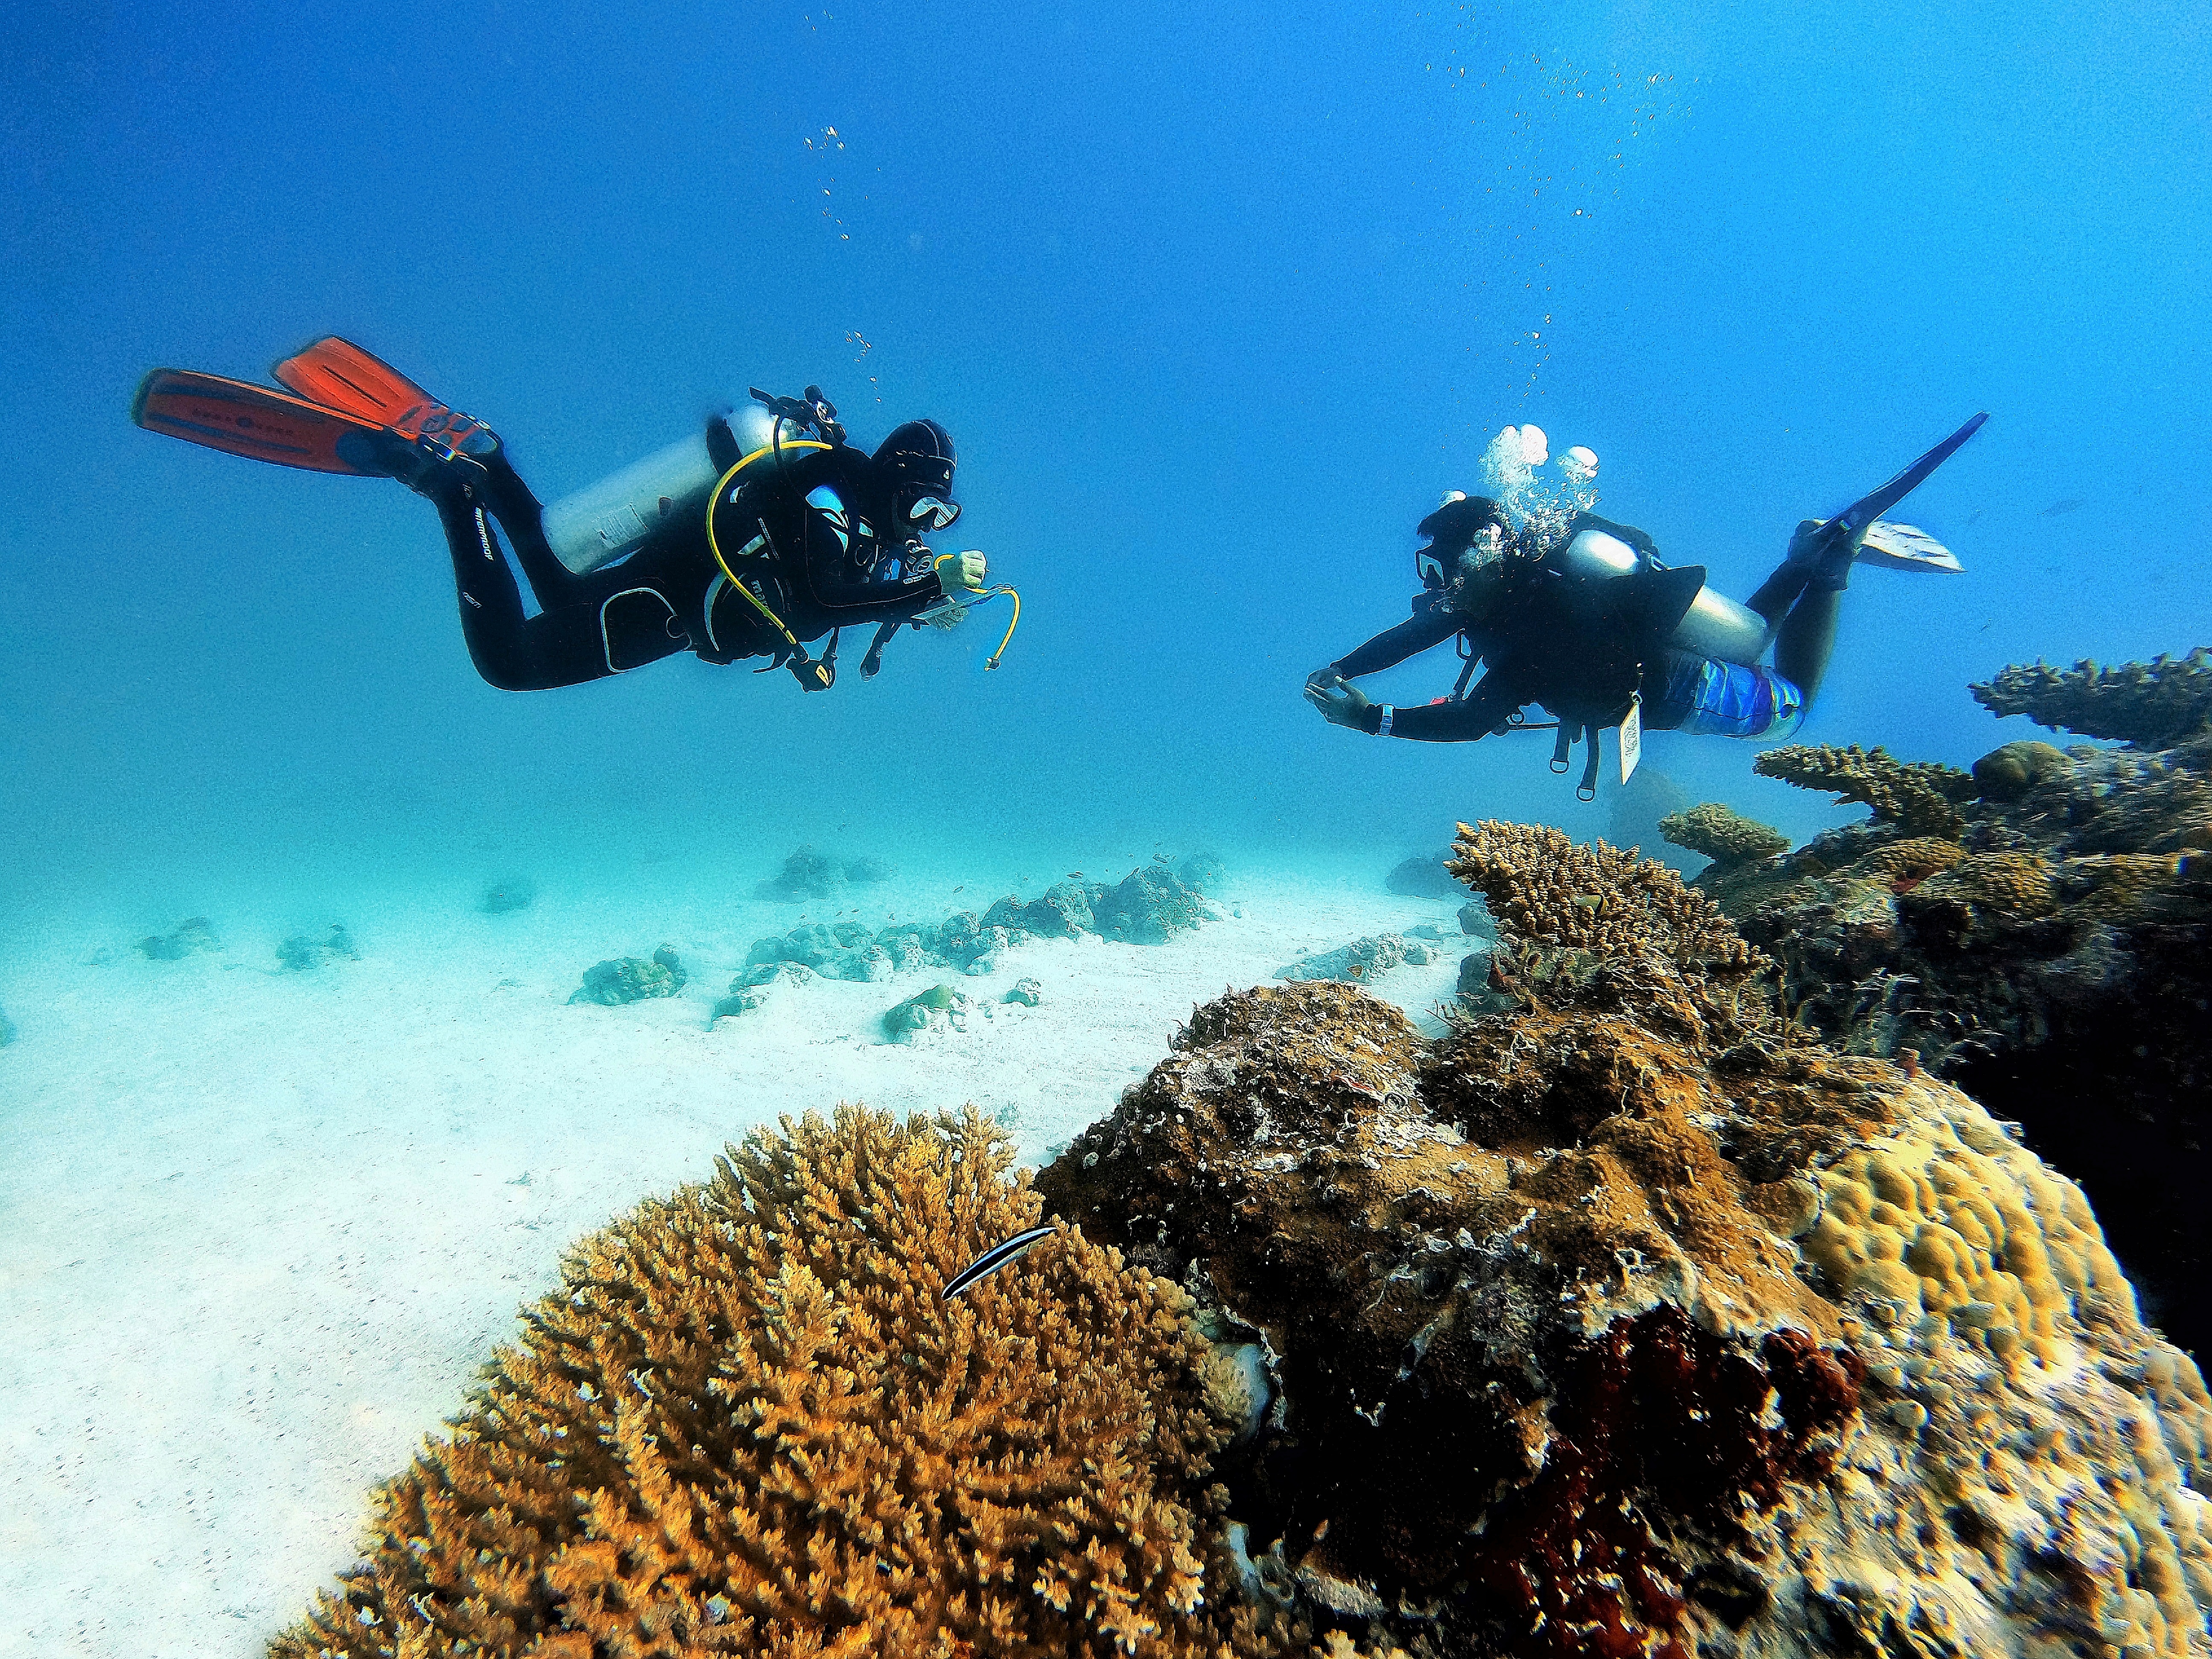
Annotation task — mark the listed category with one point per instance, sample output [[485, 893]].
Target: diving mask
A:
[[930, 513]]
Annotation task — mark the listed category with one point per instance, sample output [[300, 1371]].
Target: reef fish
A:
[[996, 1258], [2058, 507]]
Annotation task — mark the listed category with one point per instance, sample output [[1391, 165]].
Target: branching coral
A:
[[2151, 705], [1596, 925], [1919, 796], [1725, 836], [747, 1423]]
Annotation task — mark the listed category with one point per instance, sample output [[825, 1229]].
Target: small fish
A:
[[996, 1258], [962, 888], [1075, 875], [1975, 516], [2056, 508]]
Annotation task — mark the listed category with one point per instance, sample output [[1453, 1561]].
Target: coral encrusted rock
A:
[[2150, 705], [1724, 835], [1920, 797], [749, 1424], [1625, 1321], [631, 979]]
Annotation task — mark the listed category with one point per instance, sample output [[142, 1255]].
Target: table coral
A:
[[1725, 836], [1920, 797], [2153, 705], [747, 1423], [1623, 1322]]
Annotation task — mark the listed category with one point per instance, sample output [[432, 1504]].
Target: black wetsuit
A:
[[1586, 648], [805, 538]]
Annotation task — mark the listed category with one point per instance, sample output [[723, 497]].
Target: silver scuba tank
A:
[[603, 522], [1714, 626]]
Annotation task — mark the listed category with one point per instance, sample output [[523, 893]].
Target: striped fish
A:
[[996, 1258]]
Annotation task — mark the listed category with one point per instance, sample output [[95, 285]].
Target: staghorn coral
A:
[[1919, 796], [747, 1423], [1725, 836], [2153, 705], [1601, 1329]]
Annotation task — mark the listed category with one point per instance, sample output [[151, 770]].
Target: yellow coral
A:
[[1987, 1238], [2010, 884], [747, 1422], [2024, 1393], [1909, 860]]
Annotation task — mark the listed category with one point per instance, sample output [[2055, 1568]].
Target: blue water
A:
[[1216, 300]]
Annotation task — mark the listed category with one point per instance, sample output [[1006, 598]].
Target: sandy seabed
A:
[[259, 1230]]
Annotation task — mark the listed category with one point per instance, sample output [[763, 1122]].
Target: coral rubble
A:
[[1625, 1321], [747, 1423], [2046, 951], [2149, 705]]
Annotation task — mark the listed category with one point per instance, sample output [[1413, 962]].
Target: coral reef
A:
[[1920, 797], [2047, 954], [1360, 962], [1623, 1322], [193, 934], [2151, 705], [631, 979], [1724, 835], [1025, 991], [808, 874], [747, 1423], [515, 893], [303, 953]]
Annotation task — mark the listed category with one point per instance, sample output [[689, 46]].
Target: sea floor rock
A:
[[1628, 1322], [631, 979], [188, 938], [304, 952], [1361, 961]]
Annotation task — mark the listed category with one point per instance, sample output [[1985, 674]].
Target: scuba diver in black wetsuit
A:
[[755, 539], [1590, 625]]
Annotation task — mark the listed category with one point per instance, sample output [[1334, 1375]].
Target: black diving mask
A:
[[930, 513]]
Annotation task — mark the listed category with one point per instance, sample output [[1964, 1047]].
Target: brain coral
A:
[[1624, 1322], [747, 1423]]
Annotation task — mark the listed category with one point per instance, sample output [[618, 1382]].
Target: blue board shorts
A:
[[1725, 700]]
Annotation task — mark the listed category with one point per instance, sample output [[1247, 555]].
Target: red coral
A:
[[1657, 1424]]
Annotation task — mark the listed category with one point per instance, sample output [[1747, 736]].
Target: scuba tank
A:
[[1714, 625], [604, 521]]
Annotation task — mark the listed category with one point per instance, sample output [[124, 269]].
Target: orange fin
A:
[[240, 418], [338, 374]]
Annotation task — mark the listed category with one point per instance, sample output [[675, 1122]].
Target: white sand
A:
[[259, 1230]]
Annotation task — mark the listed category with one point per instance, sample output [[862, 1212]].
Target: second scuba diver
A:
[[1589, 623], [754, 538]]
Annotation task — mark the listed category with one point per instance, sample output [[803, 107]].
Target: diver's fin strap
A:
[[1586, 789]]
